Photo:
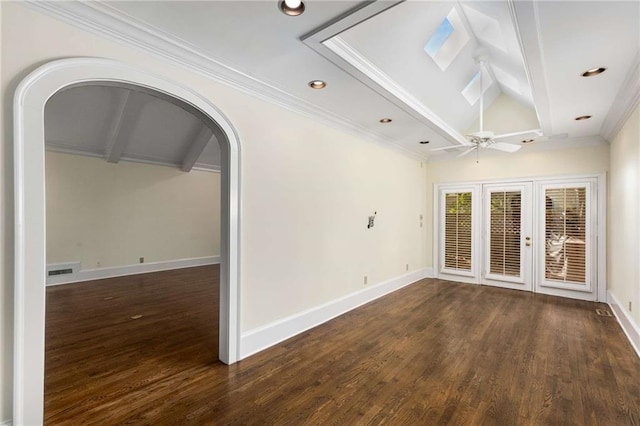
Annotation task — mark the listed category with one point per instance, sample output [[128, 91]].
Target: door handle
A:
[[528, 243]]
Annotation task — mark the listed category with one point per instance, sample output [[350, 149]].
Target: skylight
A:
[[439, 37], [447, 40], [472, 91]]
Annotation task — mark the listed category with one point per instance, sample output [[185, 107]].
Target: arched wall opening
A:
[[30, 210]]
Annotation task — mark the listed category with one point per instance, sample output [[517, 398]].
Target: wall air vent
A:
[[62, 273]]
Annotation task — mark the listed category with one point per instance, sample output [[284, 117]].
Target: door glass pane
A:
[[565, 234], [504, 235], [457, 231]]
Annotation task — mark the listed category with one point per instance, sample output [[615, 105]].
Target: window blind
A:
[[565, 234], [505, 233], [457, 231]]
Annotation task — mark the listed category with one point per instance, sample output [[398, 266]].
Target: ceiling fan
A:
[[486, 138]]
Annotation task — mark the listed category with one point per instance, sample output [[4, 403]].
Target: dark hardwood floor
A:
[[99, 361], [433, 353]]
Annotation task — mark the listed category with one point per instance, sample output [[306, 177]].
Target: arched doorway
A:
[[30, 264]]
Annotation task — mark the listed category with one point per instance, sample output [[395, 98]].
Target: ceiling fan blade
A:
[[506, 147], [524, 132], [447, 147], [466, 152]]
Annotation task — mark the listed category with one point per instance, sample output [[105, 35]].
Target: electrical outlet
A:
[[365, 280], [407, 267], [142, 260], [629, 306]]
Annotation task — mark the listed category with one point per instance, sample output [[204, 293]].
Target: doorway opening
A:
[[133, 203], [30, 229]]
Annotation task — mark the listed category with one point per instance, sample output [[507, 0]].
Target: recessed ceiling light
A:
[[594, 71], [385, 120], [583, 117], [317, 84], [424, 142], [527, 141], [291, 7]]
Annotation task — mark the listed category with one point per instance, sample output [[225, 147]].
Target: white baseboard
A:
[[141, 268], [428, 272], [625, 320], [6, 422], [261, 338]]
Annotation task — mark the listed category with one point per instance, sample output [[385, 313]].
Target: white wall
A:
[[305, 226], [624, 214], [522, 164], [104, 214], [506, 115], [307, 189]]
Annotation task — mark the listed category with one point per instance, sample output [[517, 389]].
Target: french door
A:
[[566, 230], [507, 236], [532, 235]]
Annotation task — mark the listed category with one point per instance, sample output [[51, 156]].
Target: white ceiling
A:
[[399, 53], [545, 46], [562, 40], [119, 123]]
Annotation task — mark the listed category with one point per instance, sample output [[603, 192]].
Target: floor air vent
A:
[[603, 312]]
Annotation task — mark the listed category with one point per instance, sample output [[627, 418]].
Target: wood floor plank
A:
[[435, 352]]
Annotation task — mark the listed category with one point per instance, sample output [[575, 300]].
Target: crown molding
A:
[[62, 148], [625, 103], [547, 145], [103, 20]]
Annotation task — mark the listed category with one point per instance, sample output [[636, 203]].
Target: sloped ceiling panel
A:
[[84, 120]]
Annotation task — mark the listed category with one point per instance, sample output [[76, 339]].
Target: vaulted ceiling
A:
[[374, 59], [118, 122]]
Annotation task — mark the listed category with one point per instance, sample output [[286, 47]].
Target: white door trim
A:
[[601, 228], [471, 277], [542, 285], [30, 232], [525, 280]]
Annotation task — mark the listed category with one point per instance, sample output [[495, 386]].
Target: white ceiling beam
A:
[[204, 137], [524, 16], [125, 119]]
